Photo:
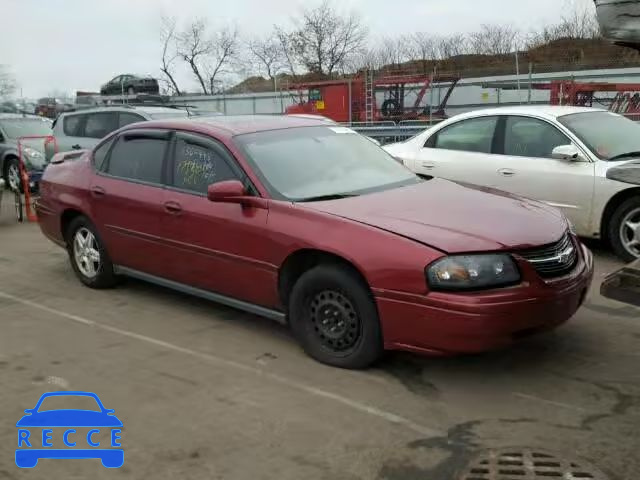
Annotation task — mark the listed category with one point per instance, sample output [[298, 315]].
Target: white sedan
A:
[[583, 161]]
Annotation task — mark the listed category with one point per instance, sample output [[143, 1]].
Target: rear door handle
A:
[[428, 165], [76, 146], [98, 191], [506, 172], [173, 208]]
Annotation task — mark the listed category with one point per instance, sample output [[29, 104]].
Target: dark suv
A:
[[130, 85]]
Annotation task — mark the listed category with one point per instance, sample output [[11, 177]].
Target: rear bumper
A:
[[445, 323]]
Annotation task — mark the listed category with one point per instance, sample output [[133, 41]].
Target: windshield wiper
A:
[[625, 155], [332, 196]]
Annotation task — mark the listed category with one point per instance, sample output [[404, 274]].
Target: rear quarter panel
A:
[[63, 187]]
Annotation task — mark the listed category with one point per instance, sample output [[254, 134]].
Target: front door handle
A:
[[97, 191], [173, 208], [506, 172], [428, 165], [76, 146]]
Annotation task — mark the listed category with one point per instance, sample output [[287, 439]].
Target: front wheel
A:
[[89, 258], [334, 317], [12, 174], [624, 230]]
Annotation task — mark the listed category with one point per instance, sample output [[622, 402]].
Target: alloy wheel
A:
[[630, 232], [13, 177], [335, 321], [86, 253]]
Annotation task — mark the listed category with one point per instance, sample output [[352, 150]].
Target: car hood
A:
[[454, 217], [69, 418]]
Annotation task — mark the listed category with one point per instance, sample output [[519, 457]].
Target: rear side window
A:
[[474, 135], [126, 118], [100, 124], [71, 125], [138, 158], [100, 155], [196, 166]]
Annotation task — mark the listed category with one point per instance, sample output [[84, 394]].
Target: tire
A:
[[11, 174], [348, 333], [390, 108], [131, 91], [624, 230], [95, 271]]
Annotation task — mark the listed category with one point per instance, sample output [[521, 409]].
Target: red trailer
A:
[[357, 99]]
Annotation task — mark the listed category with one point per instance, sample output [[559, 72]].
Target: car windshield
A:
[[69, 402], [607, 134], [22, 127], [305, 163]]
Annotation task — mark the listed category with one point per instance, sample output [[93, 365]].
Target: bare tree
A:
[[324, 40], [493, 40], [267, 55], [207, 54], [169, 52], [286, 43], [452, 46], [224, 47], [193, 47], [7, 82], [579, 23], [395, 51], [424, 46]]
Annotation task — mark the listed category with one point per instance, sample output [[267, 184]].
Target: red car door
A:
[[219, 247], [127, 199]]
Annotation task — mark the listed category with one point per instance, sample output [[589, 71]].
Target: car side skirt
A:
[[207, 295]]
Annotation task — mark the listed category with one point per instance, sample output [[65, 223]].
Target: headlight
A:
[[472, 272], [32, 157]]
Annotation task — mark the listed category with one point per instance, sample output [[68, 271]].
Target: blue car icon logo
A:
[[36, 433]]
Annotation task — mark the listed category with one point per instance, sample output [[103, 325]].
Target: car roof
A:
[[126, 108], [550, 112], [239, 124]]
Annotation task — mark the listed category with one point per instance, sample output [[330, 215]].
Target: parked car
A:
[[130, 85], [13, 126], [559, 155], [84, 128], [51, 107], [311, 224]]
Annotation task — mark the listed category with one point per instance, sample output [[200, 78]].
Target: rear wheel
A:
[[334, 317], [89, 258], [624, 230]]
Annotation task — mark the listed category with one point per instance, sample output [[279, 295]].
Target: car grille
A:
[[553, 260]]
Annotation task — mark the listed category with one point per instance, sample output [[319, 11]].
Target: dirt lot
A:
[[209, 392]]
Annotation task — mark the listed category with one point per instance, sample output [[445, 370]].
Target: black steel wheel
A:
[[333, 315]]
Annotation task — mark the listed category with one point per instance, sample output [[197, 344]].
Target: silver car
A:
[[85, 128]]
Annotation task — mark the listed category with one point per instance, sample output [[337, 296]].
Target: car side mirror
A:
[[567, 152], [228, 191]]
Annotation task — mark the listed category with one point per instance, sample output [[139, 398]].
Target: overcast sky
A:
[[69, 45]]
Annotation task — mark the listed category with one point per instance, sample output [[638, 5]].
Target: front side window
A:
[[308, 163], [138, 158], [474, 135], [100, 124], [197, 166], [530, 137]]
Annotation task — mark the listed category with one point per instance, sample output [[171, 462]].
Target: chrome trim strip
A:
[[207, 295]]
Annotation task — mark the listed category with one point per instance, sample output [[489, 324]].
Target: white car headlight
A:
[[32, 153]]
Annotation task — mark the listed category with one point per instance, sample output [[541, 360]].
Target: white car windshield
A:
[[608, 135], [314, 163]]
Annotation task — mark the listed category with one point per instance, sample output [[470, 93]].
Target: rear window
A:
[[71, 125], [126, 118]]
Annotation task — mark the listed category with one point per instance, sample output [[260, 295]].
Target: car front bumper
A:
[[451, 323]]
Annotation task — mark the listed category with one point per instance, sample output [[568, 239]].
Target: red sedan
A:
[[314, 225]]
